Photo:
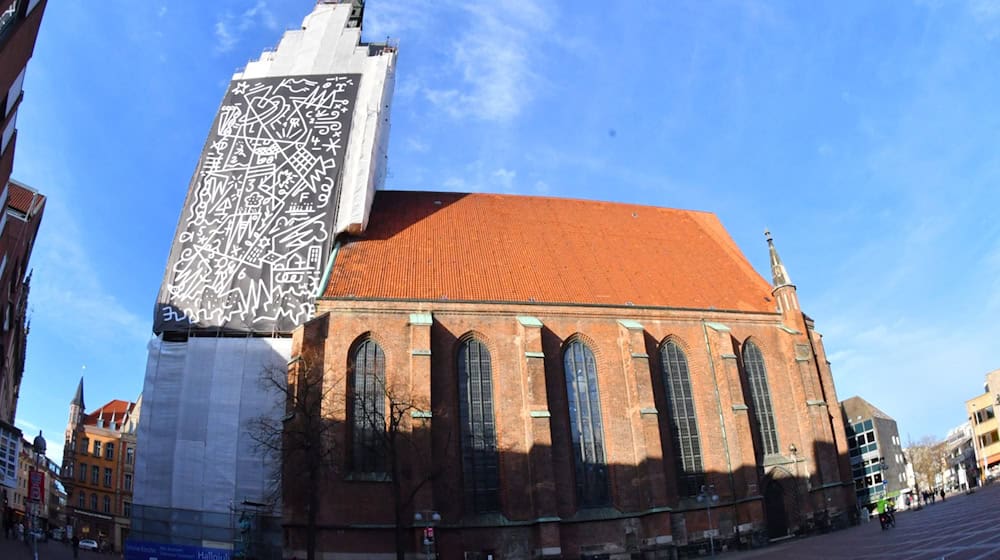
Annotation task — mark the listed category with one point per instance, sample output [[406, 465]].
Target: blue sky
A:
[[863, 134]]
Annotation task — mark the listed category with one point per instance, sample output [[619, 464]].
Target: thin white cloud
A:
[[86, 312], [493, 60], [27, 426], [478, 176], [162, 11], [416, 145], [394, 19], [229, 27]]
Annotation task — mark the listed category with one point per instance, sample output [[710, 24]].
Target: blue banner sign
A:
[[138, 550]]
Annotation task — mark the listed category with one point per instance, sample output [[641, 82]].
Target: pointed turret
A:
[[76, 409], [78, 398], [778, 273], [784, 291]]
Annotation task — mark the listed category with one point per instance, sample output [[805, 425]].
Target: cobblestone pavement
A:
[[963, 527], [15, 550]]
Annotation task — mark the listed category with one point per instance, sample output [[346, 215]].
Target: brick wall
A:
[[533, 431]]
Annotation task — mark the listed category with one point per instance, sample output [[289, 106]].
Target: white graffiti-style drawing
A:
[[257, 224]]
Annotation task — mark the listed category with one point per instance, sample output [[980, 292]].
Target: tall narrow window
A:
[[368, 411], [93, 502], [687, 448], [585, 425], [479, 441], [83, 500], [753, 361], [107, 504]]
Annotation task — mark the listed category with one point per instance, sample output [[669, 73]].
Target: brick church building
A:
[[567, 378]]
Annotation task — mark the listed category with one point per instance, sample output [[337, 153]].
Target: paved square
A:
[[963, 527]]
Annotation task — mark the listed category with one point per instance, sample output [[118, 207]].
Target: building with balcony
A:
[[982, 411], [98, 469], [878, 466], [961, 470]]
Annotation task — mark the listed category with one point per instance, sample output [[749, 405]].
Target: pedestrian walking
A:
[[942, 494], [76, 546]]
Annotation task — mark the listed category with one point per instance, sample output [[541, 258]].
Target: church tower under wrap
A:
[[293, 159]]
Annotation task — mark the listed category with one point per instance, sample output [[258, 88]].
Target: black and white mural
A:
[[257, 224]]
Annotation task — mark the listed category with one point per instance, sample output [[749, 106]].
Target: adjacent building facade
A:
[[564, 379], [878, 465], [48, 506], [99, 469], [21, 215], [985, 427], [960, 468]]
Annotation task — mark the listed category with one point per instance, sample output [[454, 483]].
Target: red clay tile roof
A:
[[488, 247], [19, 197], [116, 408]]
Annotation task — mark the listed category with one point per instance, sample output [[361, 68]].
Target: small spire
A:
[[778, 272], [78, 398]]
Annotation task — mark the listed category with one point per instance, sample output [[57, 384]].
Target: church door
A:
[[774, 505]]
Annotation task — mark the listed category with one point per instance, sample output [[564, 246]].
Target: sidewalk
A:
[[52, 550]]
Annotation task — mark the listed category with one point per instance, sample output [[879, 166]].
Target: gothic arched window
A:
[[367, 391], [687, 447], [586, 428], [480, 464], [753, 362]]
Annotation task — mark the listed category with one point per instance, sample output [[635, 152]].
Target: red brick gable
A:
[[488, 247]]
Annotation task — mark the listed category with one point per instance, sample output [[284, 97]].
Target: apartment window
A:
[[85, 445], [95, 475], [129, 455], [127, 509], [107, 504], [93, 502], [97, 448], [109, 450], [684, 424], [83, 500], [128, 482], [760, 393], [368, 410], [586, 427], [68, 471], [83, 472], [984, 414], [107, 477], [479, 441]]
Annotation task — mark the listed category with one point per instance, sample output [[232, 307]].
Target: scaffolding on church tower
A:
[[294, 157]]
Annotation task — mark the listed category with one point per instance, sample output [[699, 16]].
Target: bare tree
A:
[[926, 455], [401, 436], [301, 444]]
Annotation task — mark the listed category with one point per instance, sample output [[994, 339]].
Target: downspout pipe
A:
[[329, 269]]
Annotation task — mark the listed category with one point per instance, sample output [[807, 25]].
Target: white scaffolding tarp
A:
[[195, 452]]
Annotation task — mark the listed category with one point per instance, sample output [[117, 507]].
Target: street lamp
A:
[[39, 447], [428, 518], [709, 496]]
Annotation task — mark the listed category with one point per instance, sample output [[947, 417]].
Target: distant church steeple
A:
[[784, 291], [76, 407]]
